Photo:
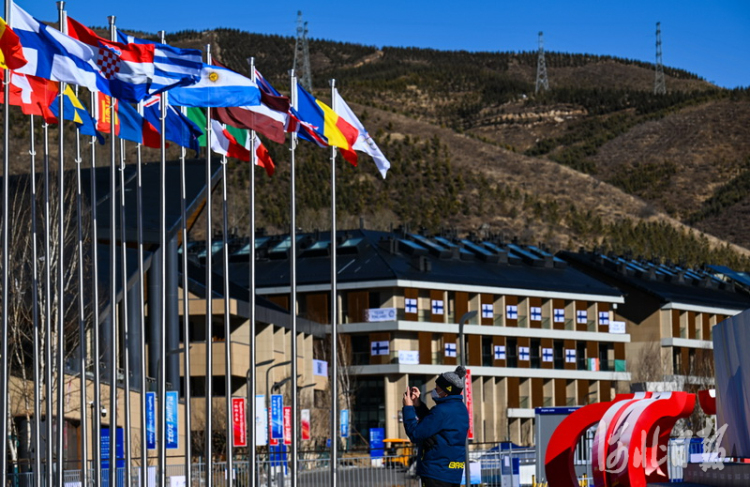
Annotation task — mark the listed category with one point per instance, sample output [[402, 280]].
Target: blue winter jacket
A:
[[448, 423]]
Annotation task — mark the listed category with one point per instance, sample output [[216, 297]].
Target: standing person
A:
[[440, 432]]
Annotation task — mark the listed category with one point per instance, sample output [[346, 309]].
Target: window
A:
[[370, 407]]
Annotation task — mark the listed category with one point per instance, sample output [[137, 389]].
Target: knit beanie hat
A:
[[452, 382]]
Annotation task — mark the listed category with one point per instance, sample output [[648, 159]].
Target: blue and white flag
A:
[[53, 55], [218, 87], [173, 66], [180, 129]]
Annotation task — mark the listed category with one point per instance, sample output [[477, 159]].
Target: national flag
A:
[[11, 52], [217, 87], [74, 111], [55, 56], [232, 141], [34, 95], [263, 158], [129, 124], [364, 142], [269, 118], [173, 66], [128, 67], [324, 125], [180, 129], [223, 142]]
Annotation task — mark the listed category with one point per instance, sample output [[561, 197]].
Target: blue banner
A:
[[345, 423], [106, 446], [277, 416], [151, 420], [171, 422], [376, 442]]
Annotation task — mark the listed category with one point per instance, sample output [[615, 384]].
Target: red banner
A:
[[239, 421], [287, 425], [469, 402]]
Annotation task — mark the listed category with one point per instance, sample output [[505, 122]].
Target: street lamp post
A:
[[464, 353], [268, 406]]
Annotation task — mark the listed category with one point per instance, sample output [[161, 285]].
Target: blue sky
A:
[[709, 38]]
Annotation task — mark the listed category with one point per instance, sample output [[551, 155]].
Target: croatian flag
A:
[[54, 56], [128, 67]]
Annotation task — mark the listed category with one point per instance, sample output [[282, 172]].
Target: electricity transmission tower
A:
[[541, 67], [660, 88], [301, 65]]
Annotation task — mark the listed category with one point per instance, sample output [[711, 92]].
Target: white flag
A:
[[364, 141]]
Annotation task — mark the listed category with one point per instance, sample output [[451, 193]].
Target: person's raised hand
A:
[[407, 400], [415, 396]]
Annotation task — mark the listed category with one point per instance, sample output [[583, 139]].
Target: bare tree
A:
[[648, 366], [20, 296]]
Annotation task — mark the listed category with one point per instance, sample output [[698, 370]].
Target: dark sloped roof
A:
[[667, 282], [366, 255]]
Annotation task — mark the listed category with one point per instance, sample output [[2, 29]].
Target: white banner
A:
[[617, 327], [261, 420], [380, 314], [408, 357]]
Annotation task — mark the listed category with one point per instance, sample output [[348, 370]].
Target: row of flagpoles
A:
[[41, 64]]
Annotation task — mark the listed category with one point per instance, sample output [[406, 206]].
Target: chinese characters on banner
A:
[[287, 425], [469, 403], [239, 422]]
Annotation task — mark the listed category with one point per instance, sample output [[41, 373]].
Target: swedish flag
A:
[[74, 111]]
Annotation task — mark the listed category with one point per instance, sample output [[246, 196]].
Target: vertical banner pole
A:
[[209, 298], [293, 300], [334, 309]]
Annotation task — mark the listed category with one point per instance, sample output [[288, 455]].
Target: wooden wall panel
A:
[[438, 296], [557, 304], [581, 306], [537, 392], [513, 392], [569, 345], [602, 308], [488, 299], [546, 343], [582, 389], [411, 293], [425, 347], [450, 338], [475, 349], [317, 307], [357, 302], [462, 304], [691, 325], [281, 300], [675, 323], [561, 398], [510, 301], [498, 340], [534, 303]]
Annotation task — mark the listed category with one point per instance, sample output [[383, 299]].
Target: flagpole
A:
[[185, 317], [35, 312], [48, 307], [96, 418], [208, 430], [251, 270], [334, 309], [6, 260], [227, 327], [112, 281], [125, 321], [293, 289], [163, 308], [141, 308], [61, 276], [81, 311]]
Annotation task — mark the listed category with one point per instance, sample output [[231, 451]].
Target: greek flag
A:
[[173, 66]]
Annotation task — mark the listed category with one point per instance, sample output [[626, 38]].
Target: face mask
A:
[[434, 395]]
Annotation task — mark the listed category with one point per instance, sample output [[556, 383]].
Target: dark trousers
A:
[[437, 483]]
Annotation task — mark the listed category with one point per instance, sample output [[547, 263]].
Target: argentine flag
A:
[[218, 87]]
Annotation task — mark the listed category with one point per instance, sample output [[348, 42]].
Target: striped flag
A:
[[173, 66]]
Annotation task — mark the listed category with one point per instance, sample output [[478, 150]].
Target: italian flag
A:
[[234, 142]]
